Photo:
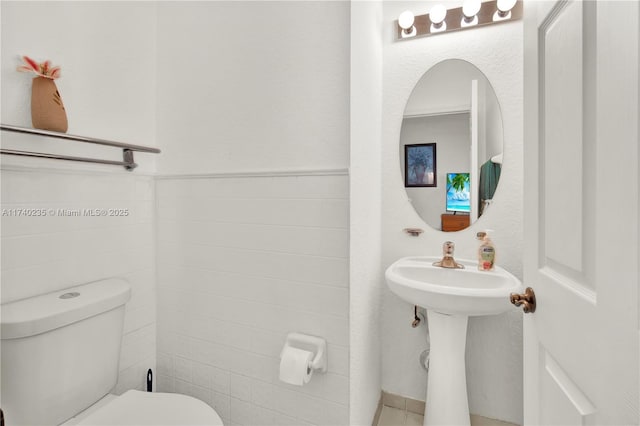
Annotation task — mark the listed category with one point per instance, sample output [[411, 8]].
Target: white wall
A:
[[223, 94], [366, 287], [494, 354], [242, 262], [253, 202], [243, 86], [108, 92], [45, 254], [108, 77]]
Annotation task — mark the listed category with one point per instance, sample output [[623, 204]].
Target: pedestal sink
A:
[[450, 296]]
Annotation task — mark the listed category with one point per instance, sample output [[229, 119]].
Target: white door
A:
[[581, 359]]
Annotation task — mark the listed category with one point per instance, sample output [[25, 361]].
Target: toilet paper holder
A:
[[314, 344]]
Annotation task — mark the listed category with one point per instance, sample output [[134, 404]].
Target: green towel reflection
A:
[[489, 177]]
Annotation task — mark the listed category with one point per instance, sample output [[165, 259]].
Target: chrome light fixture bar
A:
[[461, 18]]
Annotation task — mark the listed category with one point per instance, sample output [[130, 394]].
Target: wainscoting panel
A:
[[244, 259], [62, 228]]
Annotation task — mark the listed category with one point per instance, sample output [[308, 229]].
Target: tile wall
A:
[[242, 261], [68, 247]]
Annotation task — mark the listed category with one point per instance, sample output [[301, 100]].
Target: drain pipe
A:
[[418, 317]]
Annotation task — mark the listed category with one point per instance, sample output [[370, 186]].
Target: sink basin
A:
[[466, 291], [450, 296]]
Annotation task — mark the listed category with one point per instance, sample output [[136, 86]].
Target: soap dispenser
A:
[[486, 252]]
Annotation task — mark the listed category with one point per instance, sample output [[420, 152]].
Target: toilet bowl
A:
[[59, 361], [137, 408]]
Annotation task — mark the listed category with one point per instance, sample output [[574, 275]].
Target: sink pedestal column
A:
[[447, 402]]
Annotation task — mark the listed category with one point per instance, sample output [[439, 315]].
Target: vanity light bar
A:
[[454, 20]]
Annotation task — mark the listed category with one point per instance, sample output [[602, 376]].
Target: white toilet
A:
[[60, 354]]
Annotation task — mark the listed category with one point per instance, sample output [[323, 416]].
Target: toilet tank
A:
[[60, 351]]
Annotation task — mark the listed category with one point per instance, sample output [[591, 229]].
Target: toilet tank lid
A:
[[39, 314], [137, 408]]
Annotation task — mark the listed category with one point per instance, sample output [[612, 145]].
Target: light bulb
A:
[[506, 5], [405, 20], [437, 14], [470, 8], [504, 9]]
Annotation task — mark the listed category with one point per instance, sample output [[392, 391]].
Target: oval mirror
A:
[[451, 145]]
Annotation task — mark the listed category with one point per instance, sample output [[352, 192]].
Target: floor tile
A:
[[485, 421], [392, 417], [394, 401], [414, 419], [415, 406]]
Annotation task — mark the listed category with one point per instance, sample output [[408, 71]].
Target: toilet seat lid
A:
[[153, 408]]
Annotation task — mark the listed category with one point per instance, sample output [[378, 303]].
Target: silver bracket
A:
[[127, 157]]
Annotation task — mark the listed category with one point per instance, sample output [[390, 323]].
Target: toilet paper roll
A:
[[295, 366]]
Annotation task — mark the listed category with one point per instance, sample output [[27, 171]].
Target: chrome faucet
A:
[[447, 257]]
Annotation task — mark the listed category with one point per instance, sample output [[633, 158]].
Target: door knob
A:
[[527, 300]]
